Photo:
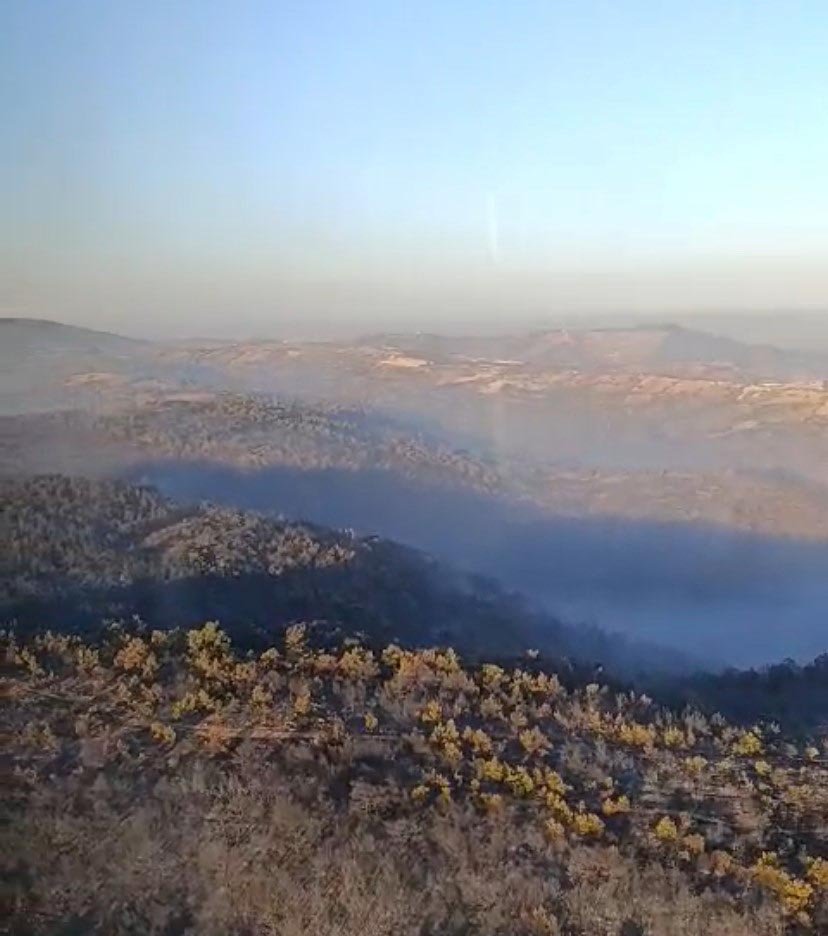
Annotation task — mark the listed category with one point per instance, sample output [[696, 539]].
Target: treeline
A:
[[87, 550], [62, 532], [255, 431], [791, 694]]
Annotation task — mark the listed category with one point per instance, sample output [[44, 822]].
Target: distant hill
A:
[[40, 335], [657, 349], [647, 398], [38, 357], [653, 349]]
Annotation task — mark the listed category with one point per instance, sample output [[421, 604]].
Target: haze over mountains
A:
[[634, 398], [658, 349], [421, 529], [660, 482]]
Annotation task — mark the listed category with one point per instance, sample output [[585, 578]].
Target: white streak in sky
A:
[[493, 229]]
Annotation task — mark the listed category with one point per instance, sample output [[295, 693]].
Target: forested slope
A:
[[91, 550]]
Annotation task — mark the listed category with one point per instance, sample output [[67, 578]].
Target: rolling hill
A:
[[708, 564], [668, 350], [82, 552], [42, 363]]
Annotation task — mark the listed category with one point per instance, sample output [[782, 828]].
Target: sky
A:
[[215, 167]]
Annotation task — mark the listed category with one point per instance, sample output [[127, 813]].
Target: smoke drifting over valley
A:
[[666, 485], [413, 468], [721, 596]]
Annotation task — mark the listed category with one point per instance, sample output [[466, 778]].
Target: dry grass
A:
[[160, 784]]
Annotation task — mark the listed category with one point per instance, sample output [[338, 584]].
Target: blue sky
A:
[[185, 162]]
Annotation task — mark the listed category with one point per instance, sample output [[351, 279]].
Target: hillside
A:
[[254, 433], [42, 363], [164, 784], [170, 776], [82, 552], [39, 335], [95, 550]]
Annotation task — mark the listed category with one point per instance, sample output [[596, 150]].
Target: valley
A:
[[688, 512]]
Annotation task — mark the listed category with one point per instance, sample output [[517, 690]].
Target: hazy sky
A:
[[210, 166]]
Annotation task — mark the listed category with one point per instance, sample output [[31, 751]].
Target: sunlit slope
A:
[[166, 783]]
